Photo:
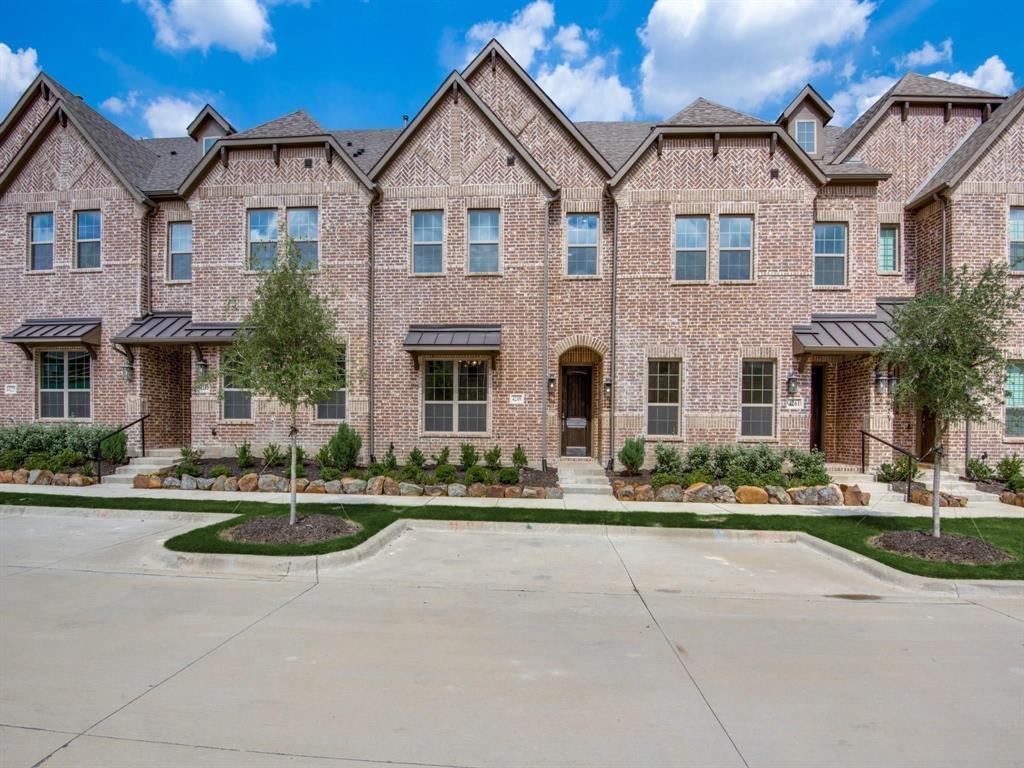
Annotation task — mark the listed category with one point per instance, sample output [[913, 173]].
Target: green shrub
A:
[[416, 458], [327, 474], [218, 470], [390, 461], [88, 469], [52, 438], [190, 455], [661, 479], [722, 458], [479, 475], [492, 458], [807, 464], [508, 476], [698, 459], [38, 461], [243, 455], [113, 449], [377, 468], [1015, 483], [696, 476], [977, 469], [667, 460], [519, 460], [632, 454], [444, 457], [300, 455], [344, 447], [445, 473], [272, 455], [468, 456], [323, 458], [11, 458], [891, 473], [410, 473], [428, 478], [68, 458], [187, 468], [1011, 466], [737, 476]]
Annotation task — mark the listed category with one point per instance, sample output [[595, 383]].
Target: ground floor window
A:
[[333, 408], [663, 397], [65, 385], [455, 396], [757, 418], [1015, 399], [237, 401]]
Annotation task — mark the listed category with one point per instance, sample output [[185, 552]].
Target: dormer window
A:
[[806, 135], [208, 142]]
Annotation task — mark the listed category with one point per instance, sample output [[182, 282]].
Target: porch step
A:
[[852, 478], [583, 477], [143, 465], [163, 453], [573, 489]]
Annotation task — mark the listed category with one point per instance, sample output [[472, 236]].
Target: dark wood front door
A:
[[925, 435], [576, 419], [817, 407]]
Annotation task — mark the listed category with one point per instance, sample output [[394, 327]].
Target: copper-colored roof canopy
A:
[[49, 331]]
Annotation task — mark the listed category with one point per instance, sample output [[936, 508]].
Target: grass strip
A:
[[850, 532]]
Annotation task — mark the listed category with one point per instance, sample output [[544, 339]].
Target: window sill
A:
[[85, 270], [582, 277], [177, 282], [485, 274], [689, 282], [887, 273], [59, 420], [664, 438], [428, 274], [330, 421], [40, 272], [450, 435], [1014, 440], [839, 288], [751, 439], [737, 282], [236, 421]]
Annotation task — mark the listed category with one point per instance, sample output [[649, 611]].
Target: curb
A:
[[20, 510]]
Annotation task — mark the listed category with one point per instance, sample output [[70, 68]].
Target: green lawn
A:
[[849, 532]]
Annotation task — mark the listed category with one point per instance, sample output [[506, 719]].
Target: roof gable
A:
[[297, 123], [702, 112], [209, 113], [807, 93]]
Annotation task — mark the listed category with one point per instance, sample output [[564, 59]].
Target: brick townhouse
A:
[[500, 274]]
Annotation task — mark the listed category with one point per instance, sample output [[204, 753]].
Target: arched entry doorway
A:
[[580, 402]]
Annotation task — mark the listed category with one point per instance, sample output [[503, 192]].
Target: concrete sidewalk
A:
[[888, 504]]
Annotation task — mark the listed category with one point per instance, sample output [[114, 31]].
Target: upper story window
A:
[[806, 135], [663, 397], [1015, 399], [65, 385], [484, 235], [87, 239], [889, 248], [427, 242], [179, 251], [455, 396], [333, 408], [735, 247], [1017, 239], [40, 239], [582, 243], [303, 229], [757, 409], [691, 248], [208, 142], [829, 254], [262, 239]]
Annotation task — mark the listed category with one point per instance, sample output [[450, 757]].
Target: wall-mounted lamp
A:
[[202, 366], [881, 382], [607, 389], [127, 369], [792, 384], [551, 383], [892, 381]]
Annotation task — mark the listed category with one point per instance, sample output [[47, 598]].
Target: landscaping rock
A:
[[230, 483], [218, 483], [354, 485], [140, 481], [750, 494], [391, 487], [670, 492], [495, 491], [204, 483], [1008, 497], [301, 484], [188, 483], [627, 493], [267, 483], [59, 478], [77, 480], [249, 482], [513, 492], [334, 486], [924, 497], [805, 495], [284, 485], [831, 495], [724, 494], [476, 490], [435, 490], [853, 496], [699, 492], [6, 475], [645, 492], [618, 485], [40, 477], [375, 485], [155, 481], [553, 493], [20, 476], [317, 486], [531, 492], [456, 489], [777, 494], [410, 489], [172, 482]]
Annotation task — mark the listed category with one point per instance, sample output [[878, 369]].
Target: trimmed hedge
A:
[[54, 438]]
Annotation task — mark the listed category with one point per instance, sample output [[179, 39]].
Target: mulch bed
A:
[[541, 478], [309, 529], [949, 548], [643, 477], [991, 486]]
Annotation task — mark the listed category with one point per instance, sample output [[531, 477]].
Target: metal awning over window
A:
[[174, 328], [482, 340], [846, 334], [54, 331]]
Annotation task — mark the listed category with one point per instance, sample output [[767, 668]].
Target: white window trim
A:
[[443, 242], [212, 140], [422, 398], [774, 436], [39, 389], [674, 251], [50, 242], [288, 233], [814, 136], [316, 406], [77, 240], [223, 403], [845, 285], [898, 253], [171, 253], [678, 436], [597, 247], [1008, 438], [1009, 242], [249, 241], [470, 242], [719, 250]]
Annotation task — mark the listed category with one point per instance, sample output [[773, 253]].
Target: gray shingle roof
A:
[[704, 112], [615, 140], [366, 145], [175, 158], [297, 123]]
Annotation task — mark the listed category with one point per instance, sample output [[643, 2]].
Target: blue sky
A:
[[149, 65]]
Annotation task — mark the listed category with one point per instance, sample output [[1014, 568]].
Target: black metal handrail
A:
[[864, 435], [99, 454]]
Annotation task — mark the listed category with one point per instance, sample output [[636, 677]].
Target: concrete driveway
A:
[[494, 649]]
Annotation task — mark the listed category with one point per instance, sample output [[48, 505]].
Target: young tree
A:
[[948, 349], [285, 347]]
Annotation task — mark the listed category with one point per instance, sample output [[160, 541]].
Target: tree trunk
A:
[[936, 472], [291, 511]]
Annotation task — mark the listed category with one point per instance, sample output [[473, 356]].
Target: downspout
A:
[[370, 294], [614, 319], [548, 203], [942, 248]]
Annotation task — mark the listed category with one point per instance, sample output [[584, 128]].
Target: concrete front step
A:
[[163, 453], [573, 489]]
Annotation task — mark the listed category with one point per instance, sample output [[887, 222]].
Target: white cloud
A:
[[743, 53], [117, 105], [234, 25], [927, 55], [991, 76], [588, 92], [858, 96], [17, 70], [170, 115], [523, 37], [569, 39]]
